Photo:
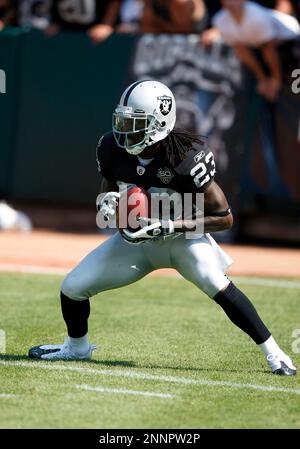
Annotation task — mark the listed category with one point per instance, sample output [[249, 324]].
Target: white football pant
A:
[[116, 263]]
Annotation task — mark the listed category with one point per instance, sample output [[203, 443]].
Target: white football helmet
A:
[[145, 115]]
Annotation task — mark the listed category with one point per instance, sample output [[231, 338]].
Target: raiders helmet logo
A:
[[165, 104]]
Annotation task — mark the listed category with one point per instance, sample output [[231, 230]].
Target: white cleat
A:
[[59, 352], [281, 364]]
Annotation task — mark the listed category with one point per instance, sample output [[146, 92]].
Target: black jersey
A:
[[192, 174]]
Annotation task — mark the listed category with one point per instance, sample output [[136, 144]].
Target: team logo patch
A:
[[140, 170], [199, 156], [165, 175], [165, 104]]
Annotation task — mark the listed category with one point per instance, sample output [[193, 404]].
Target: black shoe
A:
[[285, 370]]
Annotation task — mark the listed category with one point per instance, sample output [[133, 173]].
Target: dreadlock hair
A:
[[178, 143]]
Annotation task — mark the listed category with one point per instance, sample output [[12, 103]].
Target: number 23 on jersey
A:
[[204, 171]]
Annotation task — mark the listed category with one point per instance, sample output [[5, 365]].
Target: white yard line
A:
[[146, 376], [6, 395], [260, 281], [125, 391]]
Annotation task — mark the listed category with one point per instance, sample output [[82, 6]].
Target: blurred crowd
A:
[[100, 18], [264, 25]]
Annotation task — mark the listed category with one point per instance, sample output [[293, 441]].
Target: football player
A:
[[144, 149]]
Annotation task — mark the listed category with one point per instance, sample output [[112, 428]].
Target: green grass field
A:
[[160, 336]]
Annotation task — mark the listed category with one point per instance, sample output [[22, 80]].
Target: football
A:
[[134, 203]]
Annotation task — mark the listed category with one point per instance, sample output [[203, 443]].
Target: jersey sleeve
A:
[[197, 170], [104, 158]]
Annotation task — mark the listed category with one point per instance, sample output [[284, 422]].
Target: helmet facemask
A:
[[133, 130]]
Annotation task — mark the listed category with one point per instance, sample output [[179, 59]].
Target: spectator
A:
[[245, 25], [131, 13], [34, 13], [7, 13], [97, 18], [174, 16], [286, 6]]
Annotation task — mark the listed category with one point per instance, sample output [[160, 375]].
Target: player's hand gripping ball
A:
[[134, 219], [133, 204]]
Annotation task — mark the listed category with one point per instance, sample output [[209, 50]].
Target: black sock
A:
[[76, 314], [242, 313]]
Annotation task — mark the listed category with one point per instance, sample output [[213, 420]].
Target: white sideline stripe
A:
[[14, 268], [125, 391], [6, 395], [146, 376], [265, 282]]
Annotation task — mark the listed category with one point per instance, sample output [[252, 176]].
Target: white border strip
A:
[[125, 391], [145, 376], [6, 395]]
